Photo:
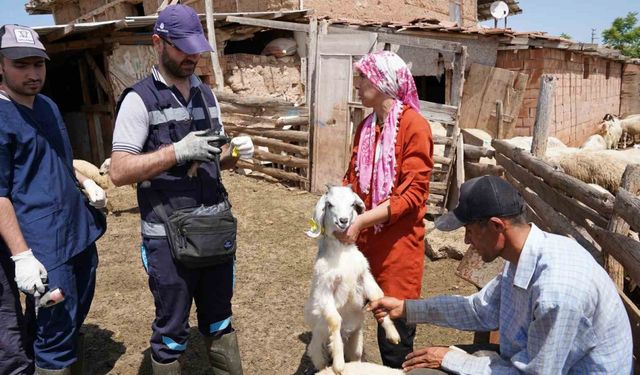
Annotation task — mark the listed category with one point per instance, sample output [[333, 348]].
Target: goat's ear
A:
[[318, 218], [359, 204], [329, 186]]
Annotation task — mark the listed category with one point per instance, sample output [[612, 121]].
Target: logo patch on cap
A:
[[24, 36]]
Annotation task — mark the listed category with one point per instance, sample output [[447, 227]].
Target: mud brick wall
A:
[[587, 88], [630, 96], [393, 10]]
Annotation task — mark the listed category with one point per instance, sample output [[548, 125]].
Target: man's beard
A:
[[183, 69], [24, 89]]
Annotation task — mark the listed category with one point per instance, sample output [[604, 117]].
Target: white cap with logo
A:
[[18, 42]]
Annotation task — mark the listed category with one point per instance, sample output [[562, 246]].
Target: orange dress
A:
[[396, 253]]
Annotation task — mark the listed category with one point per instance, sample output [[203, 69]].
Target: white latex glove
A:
[[30, 273], [242, 146], [97, 197]]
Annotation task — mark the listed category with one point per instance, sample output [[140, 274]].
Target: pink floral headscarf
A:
[[376, 163]]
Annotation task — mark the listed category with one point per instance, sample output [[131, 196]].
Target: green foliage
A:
[[565, 36], [624, 35]]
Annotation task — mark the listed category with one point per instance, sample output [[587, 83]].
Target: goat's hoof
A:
[[393, 338]]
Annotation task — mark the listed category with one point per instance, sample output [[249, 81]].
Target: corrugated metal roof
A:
[[484, 12]]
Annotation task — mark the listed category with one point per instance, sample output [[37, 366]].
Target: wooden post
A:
[[499, 119], [211, 34], [630, 182], [543, 115]]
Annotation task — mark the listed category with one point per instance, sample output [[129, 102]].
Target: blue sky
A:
[[574, 17]]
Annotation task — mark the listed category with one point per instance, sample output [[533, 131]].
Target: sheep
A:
[[104, 168], [594, 142], [91, 171], [342, 284], [611, 131], [631, 127], [525, 143], [361, 368], [602, 167]]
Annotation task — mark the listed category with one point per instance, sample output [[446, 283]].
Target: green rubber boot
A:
[[224, 354], [172, 368], [42, 371]]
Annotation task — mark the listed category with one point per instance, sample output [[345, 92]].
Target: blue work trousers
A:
[[51, 336], [174, 287], [16, 329]]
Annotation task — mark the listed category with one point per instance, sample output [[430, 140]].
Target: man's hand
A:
[[29, 272], [425, 358], [195, 146], [384, 306], [97, 197], [243, 146], [350, 235]]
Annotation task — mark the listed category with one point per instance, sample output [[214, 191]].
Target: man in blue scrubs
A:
[[48, 228]]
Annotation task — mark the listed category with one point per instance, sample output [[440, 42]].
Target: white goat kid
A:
[[342, 284]]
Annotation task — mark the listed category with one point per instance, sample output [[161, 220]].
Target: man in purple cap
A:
[[168, 125], [48, 228], [557, 310]]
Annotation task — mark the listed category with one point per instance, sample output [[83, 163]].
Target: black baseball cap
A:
[[482, 198]]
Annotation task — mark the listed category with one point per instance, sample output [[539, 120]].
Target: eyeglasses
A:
[[170, 43]]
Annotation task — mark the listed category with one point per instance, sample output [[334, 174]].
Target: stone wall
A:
[[588, 87]]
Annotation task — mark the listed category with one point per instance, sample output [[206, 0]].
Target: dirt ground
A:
[[274, 268]]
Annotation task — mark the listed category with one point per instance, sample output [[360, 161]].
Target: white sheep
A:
[[91, 171], [611, 131], [363, 368], [594, 142], [631, 127], [602, 167], [342, 284], [524, 143]]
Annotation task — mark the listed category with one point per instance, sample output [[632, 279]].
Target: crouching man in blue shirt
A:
[[557, 310], [48, 228]]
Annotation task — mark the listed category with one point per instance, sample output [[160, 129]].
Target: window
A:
[[455, 11]]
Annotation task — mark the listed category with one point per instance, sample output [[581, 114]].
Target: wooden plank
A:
[[547, 212], [631, 182], [252, 101], [413, 41], [601, 202], [442, 113], [283, 135], [567, 206], [477, 152], [273, 172], [624, 249], [272, 24], [440, 140], [211, 34], [438, 188], [438, 159], [499, 119], [479, 76], [627, 205], [544, 113], [288, 160], [292, 120], [262, 111]]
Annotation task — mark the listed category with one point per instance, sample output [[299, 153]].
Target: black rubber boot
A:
[[224, 354], [172, 368]]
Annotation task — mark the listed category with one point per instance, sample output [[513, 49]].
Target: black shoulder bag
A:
[[202, 236]]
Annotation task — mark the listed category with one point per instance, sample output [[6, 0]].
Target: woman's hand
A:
[[350, 235]]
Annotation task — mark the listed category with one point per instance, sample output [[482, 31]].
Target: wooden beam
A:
[[601, 202], [283, 135], [499, 119], [276, 145], [273, 172], [477, 152], [263, 111], [472, 170], [288, 160], [254, 101], [100, 78], [628, 207], [624, 249], [442, 113], [634, 318], [630, 182], [543, 115], [272, 24], [292, 120], [567, 206], [215, 62]]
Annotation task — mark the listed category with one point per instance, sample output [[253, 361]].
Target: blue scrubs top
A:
[[36, 166]]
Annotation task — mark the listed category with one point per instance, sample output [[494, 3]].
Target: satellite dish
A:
[[499, 10]]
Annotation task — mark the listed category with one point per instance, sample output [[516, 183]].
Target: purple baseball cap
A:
[[18, 42], [180, 25]]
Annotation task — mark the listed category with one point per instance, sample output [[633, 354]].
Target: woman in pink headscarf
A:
[[390, 170]]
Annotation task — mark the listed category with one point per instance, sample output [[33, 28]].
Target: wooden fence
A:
[[279, 131], [597, 220]]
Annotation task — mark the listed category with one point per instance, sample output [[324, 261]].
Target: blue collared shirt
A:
[[557, 310]]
